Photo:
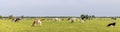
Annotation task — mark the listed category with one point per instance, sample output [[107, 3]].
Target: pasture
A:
[[95, 25]]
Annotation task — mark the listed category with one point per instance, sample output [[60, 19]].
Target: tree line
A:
[[85, 16]]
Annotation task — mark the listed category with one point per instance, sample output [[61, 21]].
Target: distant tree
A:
[[87, 16], [1, 17], [22, 16], [10, 17], [93, 16], [82, 16], [114, 18], [90, 17]]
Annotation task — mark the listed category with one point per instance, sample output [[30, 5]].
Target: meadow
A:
[[94, 25]]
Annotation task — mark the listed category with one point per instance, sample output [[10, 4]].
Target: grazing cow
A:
[[15, 19], [111, 24], [72, 19], [68, 18], [83, 19], [36, 21], [56, 19]]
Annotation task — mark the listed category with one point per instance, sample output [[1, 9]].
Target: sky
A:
[[59, 7]]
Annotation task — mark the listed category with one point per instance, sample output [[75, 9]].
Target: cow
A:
[[83, 19], [68, 18], [72, 19], [37, 21], [56, 19], [111, 24], [15, 19]]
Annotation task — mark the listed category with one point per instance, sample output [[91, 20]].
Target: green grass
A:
[[95, 25]]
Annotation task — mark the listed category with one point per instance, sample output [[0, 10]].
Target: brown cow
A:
[[37, 21]]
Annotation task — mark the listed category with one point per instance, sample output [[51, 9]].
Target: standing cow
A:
[[37, 21], [15, 19]]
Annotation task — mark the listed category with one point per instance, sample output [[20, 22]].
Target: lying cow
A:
[[111, 24], [15, 19], [37, 21]]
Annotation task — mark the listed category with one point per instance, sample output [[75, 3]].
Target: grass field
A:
[[95, 25]]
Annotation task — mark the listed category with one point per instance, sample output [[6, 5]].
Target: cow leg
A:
[[40, 23], [33, 23], [15, 20], [72, 21]]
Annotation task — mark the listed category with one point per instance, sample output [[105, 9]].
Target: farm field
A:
[[94, 25]]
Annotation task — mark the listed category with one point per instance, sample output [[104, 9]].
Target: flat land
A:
[[94, 25]]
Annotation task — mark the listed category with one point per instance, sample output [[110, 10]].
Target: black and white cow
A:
[[83, 19], [15, 19], [111, 24]]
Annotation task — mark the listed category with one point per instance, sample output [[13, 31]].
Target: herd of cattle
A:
[[72, 20]]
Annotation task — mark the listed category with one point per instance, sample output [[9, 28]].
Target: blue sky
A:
[[59, 7]]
